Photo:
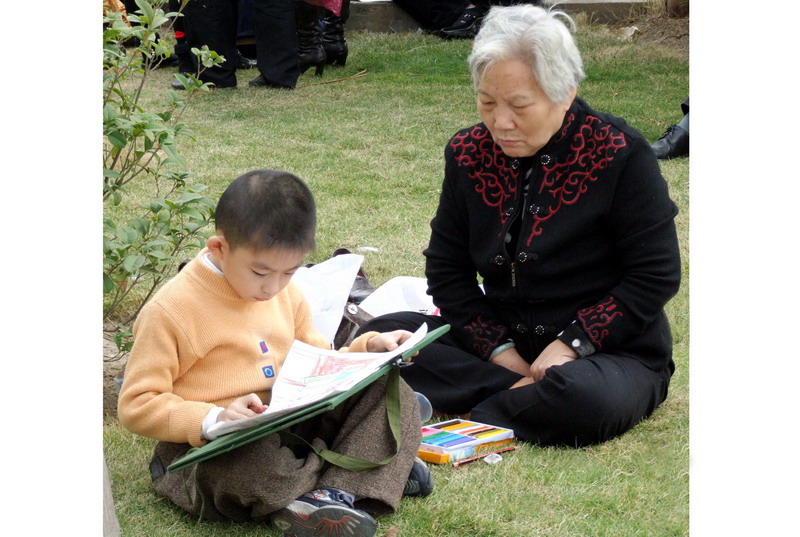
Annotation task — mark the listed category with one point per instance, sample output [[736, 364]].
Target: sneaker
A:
[[322, 513], [420, 480], [467, 25]]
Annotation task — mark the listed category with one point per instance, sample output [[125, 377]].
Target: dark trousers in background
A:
[[587, 401], [216, 23], [276, 41]]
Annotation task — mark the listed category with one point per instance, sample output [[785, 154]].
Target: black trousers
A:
[[587, 401], [216, 23]]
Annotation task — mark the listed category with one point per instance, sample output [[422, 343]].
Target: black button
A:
[[498, 260], [521, 328], [509, 212], [539, 330], [534, 209], [514, 164], [545, 159]]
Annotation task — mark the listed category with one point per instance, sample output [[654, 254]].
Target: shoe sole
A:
[[325, 522]]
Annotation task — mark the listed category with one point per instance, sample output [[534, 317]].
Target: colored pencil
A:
[[484, 455]]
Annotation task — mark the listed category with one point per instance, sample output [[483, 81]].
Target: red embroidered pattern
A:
[[596, 319], [486, 335], [592, 149], [488, 166]]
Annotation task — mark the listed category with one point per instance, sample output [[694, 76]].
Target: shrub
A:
[[142, 146]]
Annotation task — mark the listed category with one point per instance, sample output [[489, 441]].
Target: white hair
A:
[[538, 37]]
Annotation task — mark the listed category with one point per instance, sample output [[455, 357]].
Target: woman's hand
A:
[[511, 360], [244, 407], [557, 353], [387, 341]]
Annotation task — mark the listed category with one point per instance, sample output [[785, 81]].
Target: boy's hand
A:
[[244, 407], [387, 341]]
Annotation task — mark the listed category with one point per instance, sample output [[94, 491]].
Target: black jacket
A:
[[592, 243]]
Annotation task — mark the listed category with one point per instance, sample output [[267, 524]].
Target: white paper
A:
[[403, 293], [326, 287]]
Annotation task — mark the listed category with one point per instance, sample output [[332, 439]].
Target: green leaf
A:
[[158, 254], [117, 139], [192, 213], [132, 263], [159, 243], [159, 19], [108, 284], [146, 8], [187, 197], [142, 225]]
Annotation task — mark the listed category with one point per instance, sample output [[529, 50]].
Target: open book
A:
[[311, 374]]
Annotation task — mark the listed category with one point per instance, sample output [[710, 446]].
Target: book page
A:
[[310, 374]]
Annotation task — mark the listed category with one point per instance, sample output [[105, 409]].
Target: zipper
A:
[[518, 214]]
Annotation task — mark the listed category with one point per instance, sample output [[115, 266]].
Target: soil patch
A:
[[656, 27], [112, 365]]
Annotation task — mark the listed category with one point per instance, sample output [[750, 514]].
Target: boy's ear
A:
[[217, 245]]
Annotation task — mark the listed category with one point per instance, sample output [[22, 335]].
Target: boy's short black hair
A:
[[267, 209]]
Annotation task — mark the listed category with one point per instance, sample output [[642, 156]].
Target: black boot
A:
[[309, 38], [333, 40], [673, 143]]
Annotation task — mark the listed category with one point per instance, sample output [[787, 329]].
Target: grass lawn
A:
[[369, 140]]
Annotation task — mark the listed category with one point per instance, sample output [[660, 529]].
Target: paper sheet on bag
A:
[[402, 293], [311, 374], [326, 287]]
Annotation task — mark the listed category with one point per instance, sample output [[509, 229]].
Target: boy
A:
[[207, 348]]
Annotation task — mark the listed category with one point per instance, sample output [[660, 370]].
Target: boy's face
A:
[[256, 275]]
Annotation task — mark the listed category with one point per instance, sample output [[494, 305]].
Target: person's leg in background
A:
[[469, 22], [310, 51], [276, 44], [214, 23], [333, 39], [674, 143], [182, 50]]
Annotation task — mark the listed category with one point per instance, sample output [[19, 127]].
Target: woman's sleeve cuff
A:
[[577, 340]]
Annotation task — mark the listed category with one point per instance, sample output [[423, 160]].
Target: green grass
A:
[[371, 148]]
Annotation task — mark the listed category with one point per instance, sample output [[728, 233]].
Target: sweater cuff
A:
[[577, 340], [186, 422], [359, 344]]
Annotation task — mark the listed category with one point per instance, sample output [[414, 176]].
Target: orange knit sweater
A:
[[198, 345]]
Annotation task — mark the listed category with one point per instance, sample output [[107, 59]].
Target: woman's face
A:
[[520, 116]]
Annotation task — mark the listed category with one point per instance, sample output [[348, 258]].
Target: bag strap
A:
[[356, 464]]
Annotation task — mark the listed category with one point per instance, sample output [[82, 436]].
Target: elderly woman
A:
[[563, 213]]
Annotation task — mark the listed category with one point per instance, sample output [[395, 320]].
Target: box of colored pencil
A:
[[444, 458], [453, 440]]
